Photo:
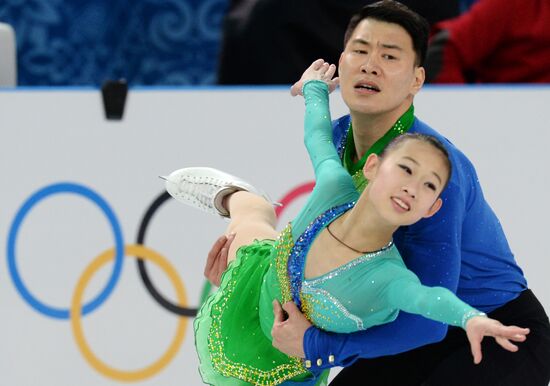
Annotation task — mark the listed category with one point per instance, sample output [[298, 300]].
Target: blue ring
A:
[[63, 313]]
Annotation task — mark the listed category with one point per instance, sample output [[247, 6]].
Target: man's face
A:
[[377, 69]]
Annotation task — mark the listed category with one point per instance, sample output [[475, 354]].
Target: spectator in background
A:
[[272, 41], [496, 41], [464, 5]]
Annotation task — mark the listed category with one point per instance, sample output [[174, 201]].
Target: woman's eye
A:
[[431, 186], [406, 169]]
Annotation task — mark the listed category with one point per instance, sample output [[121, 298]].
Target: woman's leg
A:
[[213, 191], [251, 218]]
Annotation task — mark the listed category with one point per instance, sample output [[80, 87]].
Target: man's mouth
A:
[[367, 86]]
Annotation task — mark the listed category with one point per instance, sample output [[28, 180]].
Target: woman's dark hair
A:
[[391, 11], [428, 139]]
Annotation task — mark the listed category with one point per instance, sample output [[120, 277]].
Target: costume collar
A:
[[401, 126]]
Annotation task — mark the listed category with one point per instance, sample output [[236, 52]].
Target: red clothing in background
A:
[[496, 41]]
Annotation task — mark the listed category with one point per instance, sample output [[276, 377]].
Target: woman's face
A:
[[405, 185]]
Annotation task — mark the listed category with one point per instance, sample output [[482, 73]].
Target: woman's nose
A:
[[409, 190]]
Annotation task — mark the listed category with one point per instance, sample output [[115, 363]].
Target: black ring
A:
[[183, 311]]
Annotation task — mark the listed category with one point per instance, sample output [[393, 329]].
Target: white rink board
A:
[[52, 136]]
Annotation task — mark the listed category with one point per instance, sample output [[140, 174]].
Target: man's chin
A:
[[361, 109]]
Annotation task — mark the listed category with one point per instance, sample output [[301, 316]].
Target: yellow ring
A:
[[76, 306]]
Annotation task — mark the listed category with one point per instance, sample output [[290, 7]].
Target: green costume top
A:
[[369, 290]]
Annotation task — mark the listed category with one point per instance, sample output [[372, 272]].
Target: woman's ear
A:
[[434, 208], [371, 166]]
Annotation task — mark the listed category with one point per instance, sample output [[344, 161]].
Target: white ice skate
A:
[[205, 188]]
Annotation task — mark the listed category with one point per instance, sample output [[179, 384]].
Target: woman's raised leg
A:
[[252, 218]]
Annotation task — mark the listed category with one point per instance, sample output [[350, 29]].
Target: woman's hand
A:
[[319, 70], [480, 326]]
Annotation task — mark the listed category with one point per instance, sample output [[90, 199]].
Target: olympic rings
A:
[[161, 300], [41, 194], [93, 360], [150, 212], [77, 310], [292, 195]]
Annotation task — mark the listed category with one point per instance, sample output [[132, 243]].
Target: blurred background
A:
[[207, 42]]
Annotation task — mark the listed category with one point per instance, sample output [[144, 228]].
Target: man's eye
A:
[[389, 57], [360, 51], [406, 169]]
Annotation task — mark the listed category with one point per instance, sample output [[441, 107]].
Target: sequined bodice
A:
[[326, 300], [367, 291]]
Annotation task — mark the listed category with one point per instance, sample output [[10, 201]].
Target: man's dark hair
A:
[[391, 11]]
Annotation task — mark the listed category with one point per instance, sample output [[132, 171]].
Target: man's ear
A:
[[434, 208], [419, 78], [371, 166]]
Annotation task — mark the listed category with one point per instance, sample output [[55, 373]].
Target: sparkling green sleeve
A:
[[436, 303], [318, 125], [333, 184]]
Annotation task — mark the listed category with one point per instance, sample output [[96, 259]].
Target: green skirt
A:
[[232, 348]]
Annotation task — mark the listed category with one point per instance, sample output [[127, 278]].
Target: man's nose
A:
[[370, 65]]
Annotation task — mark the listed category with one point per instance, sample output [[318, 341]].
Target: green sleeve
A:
[[436, 303], [333, 184], [318, 125]]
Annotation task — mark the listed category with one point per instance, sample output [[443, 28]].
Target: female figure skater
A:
[[336, 260]]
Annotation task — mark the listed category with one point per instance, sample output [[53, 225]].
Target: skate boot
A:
[[205, 188]]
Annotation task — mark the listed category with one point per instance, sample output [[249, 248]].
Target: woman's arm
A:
[[440, 304]]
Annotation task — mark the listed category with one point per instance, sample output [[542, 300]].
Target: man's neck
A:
[[367, 129]]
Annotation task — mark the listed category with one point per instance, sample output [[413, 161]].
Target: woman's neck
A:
[[362, 228]]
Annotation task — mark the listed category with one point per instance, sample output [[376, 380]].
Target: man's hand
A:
[[216, 263], [288, 333]]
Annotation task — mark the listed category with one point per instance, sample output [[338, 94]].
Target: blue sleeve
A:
[[431, 249]]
